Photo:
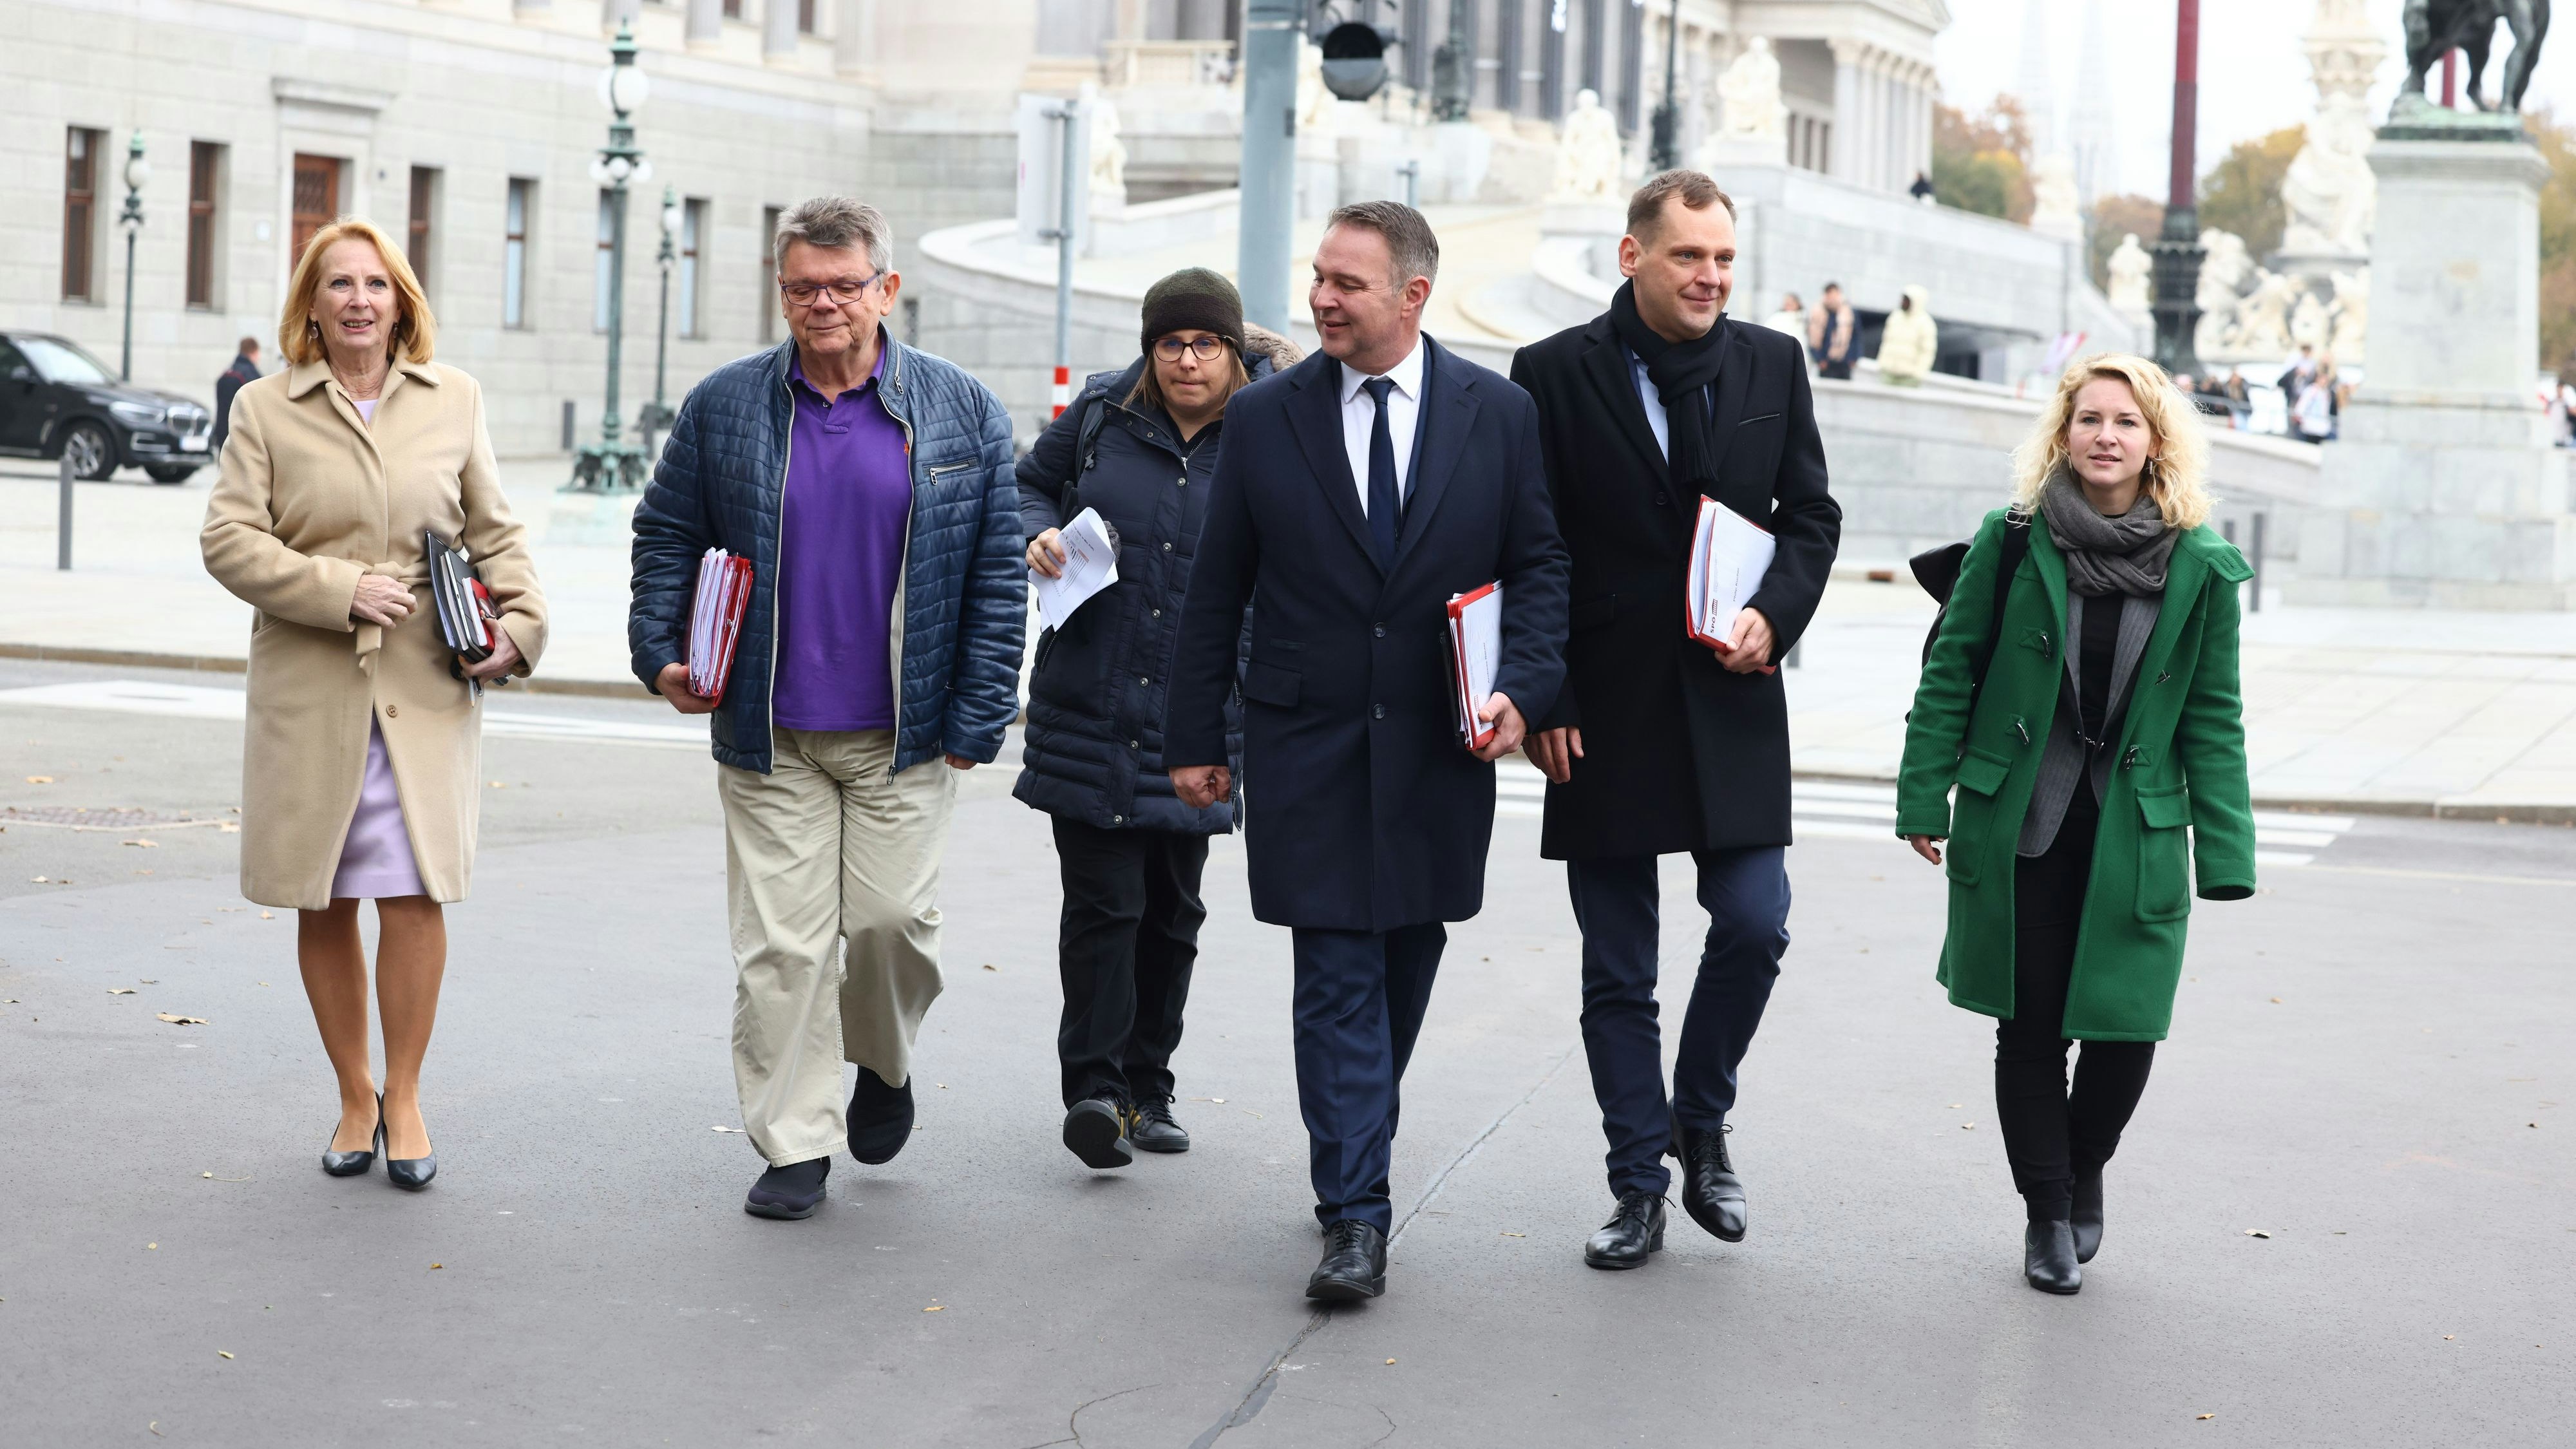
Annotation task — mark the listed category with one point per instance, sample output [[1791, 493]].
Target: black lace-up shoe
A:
[[1711, 1192], [1096, 1130], [1632, 1233], [1354, 1264], [1150, 1127]]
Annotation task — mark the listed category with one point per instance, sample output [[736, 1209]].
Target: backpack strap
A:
[[1086, 434], [2016, 548]]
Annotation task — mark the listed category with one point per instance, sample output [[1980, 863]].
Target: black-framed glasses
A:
[[1205, 349], [843, 289]]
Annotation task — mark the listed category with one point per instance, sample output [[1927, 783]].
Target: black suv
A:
[[56, 399]]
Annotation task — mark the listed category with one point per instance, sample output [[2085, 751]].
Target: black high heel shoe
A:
[[355, 1164], [408, 1173]]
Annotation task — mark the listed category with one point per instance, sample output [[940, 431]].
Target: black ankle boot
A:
[[2087, 1217], [2048, 1257]]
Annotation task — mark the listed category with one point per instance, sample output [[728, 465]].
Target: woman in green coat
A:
[[2099, 767]]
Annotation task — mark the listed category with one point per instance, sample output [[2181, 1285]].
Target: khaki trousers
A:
[[825, 851]]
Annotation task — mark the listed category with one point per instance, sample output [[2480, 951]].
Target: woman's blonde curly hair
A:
[[2178, 476]]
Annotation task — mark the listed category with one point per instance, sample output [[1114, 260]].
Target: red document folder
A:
[[1729, 555], [715, 620], [1475, 654]]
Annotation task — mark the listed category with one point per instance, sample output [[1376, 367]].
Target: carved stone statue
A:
[[2223, 269], [1108, 154], [2329, 190], [2130, 266], [2309, 322], [1589, 156], [1314, 103], [1750, 91], [2352, 316], [2434, 28], [2263, 318], [2056, 211]]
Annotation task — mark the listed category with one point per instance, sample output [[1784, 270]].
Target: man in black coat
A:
[[1355, 495], [245, 368], [1658, 744]]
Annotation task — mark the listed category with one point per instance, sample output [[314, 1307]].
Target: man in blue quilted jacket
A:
[[869, 485]]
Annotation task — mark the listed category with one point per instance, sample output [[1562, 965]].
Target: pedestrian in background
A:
[[1833, 334], [1791, 320], [1659, 745], [1922, 190], [869, 484], [2095, 736], [363, 445], [1357, 493], [1908, 341], [245, 368], [1139, 445], [2314, 408]]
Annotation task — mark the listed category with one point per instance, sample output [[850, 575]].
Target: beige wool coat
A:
[[310, 497]]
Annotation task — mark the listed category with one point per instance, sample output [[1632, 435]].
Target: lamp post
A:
[[1668, 112], [137, 171], [655, 415], [612, 463], [2178, 251], [1453, 70]]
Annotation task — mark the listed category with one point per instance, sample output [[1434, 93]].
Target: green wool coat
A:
[[2178, 797]]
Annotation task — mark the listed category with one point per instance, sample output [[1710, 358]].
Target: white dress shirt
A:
[[1656, 417], [1403, 408]]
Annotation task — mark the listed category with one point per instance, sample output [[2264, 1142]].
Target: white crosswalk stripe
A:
[[1857, 810]]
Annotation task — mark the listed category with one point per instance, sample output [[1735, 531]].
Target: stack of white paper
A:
[[1729, 556], [1476, 649], [1090, 565], [715, 620]]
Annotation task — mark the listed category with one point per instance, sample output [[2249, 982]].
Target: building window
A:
[[768, 290], [419, 233], [733, 9], [514, 252], [317, 199], [804, 17], [693, 231], [80, 213], [205, 176], [603, 274]]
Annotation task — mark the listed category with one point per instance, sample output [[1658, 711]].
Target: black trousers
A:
[[1127, 941], [2053, 1135], [1618, 906], [1359, 1000]]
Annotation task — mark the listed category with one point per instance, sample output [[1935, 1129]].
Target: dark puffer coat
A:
[[1095, 715]]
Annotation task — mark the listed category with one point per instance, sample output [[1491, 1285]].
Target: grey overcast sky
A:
[[2253, 75]]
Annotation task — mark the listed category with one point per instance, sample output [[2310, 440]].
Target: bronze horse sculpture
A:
[[2434, 28]]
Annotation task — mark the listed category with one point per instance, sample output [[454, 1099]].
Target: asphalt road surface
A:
[[2345, 1215]]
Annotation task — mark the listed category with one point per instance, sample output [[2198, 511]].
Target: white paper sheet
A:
[[1090, 565], [1477, 633], [1728, 560]]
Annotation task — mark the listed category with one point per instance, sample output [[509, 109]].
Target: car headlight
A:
[[141, 415]]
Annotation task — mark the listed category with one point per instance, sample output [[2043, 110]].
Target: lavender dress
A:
[[376, 859]]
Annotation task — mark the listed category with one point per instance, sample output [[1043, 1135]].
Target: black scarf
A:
[[1682, 373]]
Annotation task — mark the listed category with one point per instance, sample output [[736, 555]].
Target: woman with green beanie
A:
[[2087, 713], [1139, 446]]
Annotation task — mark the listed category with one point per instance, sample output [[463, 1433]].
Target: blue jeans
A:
[[1360, 996], [1616, 903]]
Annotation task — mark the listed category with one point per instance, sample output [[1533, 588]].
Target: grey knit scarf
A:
[[2123, 555]]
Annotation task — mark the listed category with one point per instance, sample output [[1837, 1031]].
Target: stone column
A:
[[705, 25], [778, 30], [1843, 148], [854, 36]]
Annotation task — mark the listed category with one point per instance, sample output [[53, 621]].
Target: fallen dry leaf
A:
[[933, 1308], [1220, 1101], [2276, 1001], [438, 1265], [1967, 1126], [724, 1129], [1516, 1235], [40, 779], [181, 1020], [2208, 1416], [146, 844], [989, 966], [2256, 1233], [1390, 1361], [2446, 1338], [219, 1353], [120, 991], [268, 915], [153, 1246]]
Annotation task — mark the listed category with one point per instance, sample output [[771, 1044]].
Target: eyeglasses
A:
[[843, 290], [1205, 349]]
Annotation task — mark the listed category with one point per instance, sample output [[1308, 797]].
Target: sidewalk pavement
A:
[[2431, 712]]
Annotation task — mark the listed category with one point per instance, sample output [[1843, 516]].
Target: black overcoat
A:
[[1365, 811], [1679, 754]]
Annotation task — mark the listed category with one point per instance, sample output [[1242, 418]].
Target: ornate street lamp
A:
[[612, 463], [1668, 112], [2178, 251], [656, 415], [137, 171], [1453, 70]]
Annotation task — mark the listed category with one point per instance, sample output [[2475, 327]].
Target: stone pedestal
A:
[[2443, 488]]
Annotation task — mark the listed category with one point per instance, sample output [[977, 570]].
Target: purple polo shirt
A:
[[841, 531]]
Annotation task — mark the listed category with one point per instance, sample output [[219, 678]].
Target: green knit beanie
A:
[[1193, 299]]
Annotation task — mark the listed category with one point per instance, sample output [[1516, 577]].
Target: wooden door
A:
[[317, 198]]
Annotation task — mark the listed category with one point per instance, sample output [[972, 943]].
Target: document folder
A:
[[463, 606], [1475, 655], [715, 620], [1729, 556]]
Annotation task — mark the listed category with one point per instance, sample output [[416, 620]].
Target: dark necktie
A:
[[1384, 510]]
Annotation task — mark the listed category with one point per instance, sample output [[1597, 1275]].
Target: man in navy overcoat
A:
[[1356, 494]]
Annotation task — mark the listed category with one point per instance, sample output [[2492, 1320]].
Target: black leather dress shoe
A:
[[2048, 1257], [791, 1192], [1096, 1129], [355, 1164], [1150, 1127], [1711, 1192], [880, 1118], [1354, 1263], [2088, 1215], [1634, 1231]]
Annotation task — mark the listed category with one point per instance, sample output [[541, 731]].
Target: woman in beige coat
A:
[[361, 752]]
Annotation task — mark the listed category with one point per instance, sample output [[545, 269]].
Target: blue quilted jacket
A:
[[965, 592]]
